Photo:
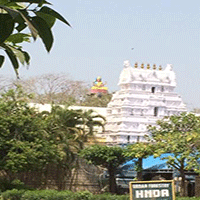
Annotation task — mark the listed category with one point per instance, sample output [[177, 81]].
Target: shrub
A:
[[6, 184], [58, 195], [82, 195], [13, 194], [38, 194], [48, 195], [108, 196]]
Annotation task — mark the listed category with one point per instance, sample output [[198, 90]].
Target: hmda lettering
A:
[[151, 193]]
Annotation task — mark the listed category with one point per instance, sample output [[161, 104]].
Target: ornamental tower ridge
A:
[[146, 95]]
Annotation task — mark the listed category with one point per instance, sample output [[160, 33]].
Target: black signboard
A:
[[162, 190]]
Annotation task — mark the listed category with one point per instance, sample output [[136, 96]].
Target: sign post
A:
[[146, 190]]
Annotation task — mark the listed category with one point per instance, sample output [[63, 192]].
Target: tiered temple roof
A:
[[146, 94]]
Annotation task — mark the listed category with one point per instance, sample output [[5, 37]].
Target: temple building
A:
[[146, 95]]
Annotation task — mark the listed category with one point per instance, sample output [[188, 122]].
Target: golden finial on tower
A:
[[154, 66], [136, 65], [148, 66], [160, 67], [142, 66]]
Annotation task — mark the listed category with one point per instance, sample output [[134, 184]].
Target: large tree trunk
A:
[[112, 181], [182, 174], [183, 188], [139, 171]]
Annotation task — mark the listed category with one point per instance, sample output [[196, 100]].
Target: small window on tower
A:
[[143, 87], [153, 90], [156, 111], [128, 138], [162, 89], [132, 112]]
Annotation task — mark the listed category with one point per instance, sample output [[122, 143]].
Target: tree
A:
[[59, 89], [140, 151], [54, 89], [77, 125], [70, 130], [15, 17], [107, 157], [95, 101], [24, 145], [177, 136]]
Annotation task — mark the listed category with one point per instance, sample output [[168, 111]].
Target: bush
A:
[[108, 196], [47, 195], [83, 195], [13, 194], [58, 195]]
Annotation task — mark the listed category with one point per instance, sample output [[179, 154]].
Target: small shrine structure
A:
[[146, 95], [98, 87]]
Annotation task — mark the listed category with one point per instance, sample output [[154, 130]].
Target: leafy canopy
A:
[[104, 156], [24, 144], [176, 137]]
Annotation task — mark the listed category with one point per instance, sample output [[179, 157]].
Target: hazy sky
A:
[[104, 33]]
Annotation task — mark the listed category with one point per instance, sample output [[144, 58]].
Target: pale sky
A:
[[105, 31]]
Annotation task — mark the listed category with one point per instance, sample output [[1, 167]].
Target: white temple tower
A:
[[145, 96]]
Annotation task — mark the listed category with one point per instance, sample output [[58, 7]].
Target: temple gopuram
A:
[[146, 95]]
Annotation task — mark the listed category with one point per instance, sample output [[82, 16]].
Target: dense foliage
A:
[[15, 17], [177, 138], [174, 139], [66, 195], [23, 143], [55, 195], [31, 141]]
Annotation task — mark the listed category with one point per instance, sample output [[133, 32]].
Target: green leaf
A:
[[2, 58], [53, 13], [50, 20], [18, 38], [14, 5], [44, 32], [20, 20], [6, 26], [13, 59], [18, 54], [14, 13], [41, 3]]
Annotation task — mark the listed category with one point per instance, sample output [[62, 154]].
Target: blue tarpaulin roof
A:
[[148, 163]]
